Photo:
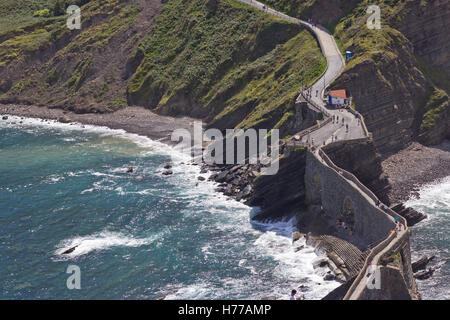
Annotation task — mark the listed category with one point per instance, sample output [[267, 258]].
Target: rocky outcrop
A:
[[64, 119], [390, 94], [284, 193], [424, 275], [234, 180], [412, 216], [421, 264]]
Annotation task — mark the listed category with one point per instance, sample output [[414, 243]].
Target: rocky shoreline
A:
[[135, 120], [414, 167], [234, 181], [407, 170]]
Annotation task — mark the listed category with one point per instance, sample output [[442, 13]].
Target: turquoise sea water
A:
[[432, 237], [139, 235]]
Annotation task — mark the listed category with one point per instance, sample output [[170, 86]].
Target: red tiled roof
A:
[[338, 94]]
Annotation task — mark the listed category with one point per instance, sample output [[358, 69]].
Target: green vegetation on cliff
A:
[[397, 66], [388, 62], [63, 67], [225, 61], [220, 60], [436, 110]]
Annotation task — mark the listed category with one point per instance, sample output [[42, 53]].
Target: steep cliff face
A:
[[43, 62], [284, 193], [220, 60], [397, 72], [393, 77], [391, 93], [361, 159], [232, 65], [426, 24]]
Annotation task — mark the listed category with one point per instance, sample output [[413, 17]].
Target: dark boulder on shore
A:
[[412, 216], [64, 119], [421, 264], [235, 181]]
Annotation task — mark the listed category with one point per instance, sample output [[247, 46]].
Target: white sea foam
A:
[[234, 217], [431, 237], [435, 196], [100, 241], [151, 146]]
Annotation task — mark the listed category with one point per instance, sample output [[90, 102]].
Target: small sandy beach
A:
[[136, 120]]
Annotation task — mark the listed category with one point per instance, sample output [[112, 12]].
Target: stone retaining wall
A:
[[370, 223]]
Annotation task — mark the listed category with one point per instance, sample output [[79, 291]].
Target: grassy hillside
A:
[[231, 63], [43, 62], [219, 60]]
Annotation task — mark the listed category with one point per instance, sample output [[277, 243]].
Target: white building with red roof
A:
[[336, 97]]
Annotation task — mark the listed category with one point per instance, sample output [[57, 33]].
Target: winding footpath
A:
[[322, 134]]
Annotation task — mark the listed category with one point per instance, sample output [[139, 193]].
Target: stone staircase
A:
[[347, 257]]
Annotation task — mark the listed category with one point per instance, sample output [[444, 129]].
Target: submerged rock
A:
[[421, 264], [70, 250], [320, 262], [296, 236]]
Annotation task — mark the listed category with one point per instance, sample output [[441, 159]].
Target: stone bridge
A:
[[339, 194], [341, 198]]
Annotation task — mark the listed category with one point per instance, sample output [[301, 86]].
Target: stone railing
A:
[[363, 122], [315, 105], [307, 131], [349, 176]]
